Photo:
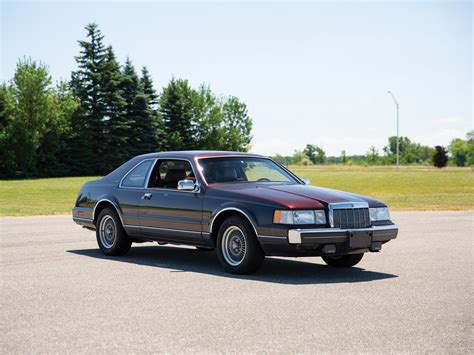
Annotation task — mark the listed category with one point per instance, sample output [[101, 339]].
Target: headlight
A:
[[299, 217], [379, 214]]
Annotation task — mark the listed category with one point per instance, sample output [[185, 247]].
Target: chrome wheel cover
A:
[[107, 231], [234, 246]]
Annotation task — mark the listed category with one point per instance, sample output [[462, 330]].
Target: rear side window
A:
[[136, 177]]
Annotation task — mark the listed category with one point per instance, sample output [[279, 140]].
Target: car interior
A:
[[167, 173]]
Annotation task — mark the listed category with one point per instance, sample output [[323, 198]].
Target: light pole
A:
[[398, 142]]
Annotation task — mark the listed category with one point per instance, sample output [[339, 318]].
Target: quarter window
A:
[[136, 177]]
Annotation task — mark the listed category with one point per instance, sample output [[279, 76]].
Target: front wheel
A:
[[343, 260], [111, 236], [237, 247]]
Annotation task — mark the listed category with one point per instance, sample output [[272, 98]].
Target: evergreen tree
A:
[[147, 87], [150, 118], [143, 135], [87, 139], [117, 122]]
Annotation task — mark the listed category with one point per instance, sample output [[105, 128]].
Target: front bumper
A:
[[342, 236], [328, 241]]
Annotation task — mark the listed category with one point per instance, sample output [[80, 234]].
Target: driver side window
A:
[[167, 173]]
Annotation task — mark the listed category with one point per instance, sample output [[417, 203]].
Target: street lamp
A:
[[398, 142]]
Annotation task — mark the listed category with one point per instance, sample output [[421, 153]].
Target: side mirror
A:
[[188, 185], [306, 181]]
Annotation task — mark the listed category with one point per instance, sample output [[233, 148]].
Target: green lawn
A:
[[405, 189], [39, 196], [409, 188]]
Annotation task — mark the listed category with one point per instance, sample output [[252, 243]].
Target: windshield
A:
[[243, 169]]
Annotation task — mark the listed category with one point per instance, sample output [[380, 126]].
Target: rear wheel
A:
[[343, 260], [111, 236], [237, 247]]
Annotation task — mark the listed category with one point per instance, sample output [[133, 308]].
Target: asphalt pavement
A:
[[60, 294]]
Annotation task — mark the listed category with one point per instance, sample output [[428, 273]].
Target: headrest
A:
[[173, 176]]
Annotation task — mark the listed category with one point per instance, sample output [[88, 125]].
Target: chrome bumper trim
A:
[[294, 235]]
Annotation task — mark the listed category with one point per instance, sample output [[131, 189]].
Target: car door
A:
[[167, 213], [129, 192]]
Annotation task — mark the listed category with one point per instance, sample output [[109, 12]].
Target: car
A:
[[245, 206]]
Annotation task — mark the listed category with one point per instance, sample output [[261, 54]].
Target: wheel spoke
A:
[[107, 231], [234, 245]]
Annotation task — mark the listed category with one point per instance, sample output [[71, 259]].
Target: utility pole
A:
[[398, 138]]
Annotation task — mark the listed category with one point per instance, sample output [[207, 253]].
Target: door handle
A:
[[146, 196]]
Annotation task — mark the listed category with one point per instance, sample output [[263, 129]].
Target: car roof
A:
[[191, 154]]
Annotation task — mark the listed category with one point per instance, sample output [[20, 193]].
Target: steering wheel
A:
[[263, 180]]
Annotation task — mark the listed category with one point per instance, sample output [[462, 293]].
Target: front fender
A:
[[232, 206]]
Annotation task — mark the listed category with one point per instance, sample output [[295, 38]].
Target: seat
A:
[[226, 174], [173, 176], [191, 176]]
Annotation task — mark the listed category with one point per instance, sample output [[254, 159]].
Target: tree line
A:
[[105, 114], [460, 152]]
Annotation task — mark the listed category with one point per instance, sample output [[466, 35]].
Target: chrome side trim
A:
[[162, 229], [232, 209], [147, 178], [113, 204], [294, 235], [82, 219]]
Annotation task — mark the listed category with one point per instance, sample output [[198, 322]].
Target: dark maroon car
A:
[[245, 206]]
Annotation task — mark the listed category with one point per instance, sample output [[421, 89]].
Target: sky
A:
[[309, 72]]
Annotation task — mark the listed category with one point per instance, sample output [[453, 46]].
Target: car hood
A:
[[298, 196]]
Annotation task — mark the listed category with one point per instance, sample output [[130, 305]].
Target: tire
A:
[[111, 236], [344, 260], [238, 250]]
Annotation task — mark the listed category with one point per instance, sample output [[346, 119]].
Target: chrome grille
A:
[[351, 218], [346, 215]]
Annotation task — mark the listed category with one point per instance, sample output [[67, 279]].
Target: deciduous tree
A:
[[440, 157]]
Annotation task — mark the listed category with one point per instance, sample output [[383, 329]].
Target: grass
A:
[[409, 188], [39, 196]]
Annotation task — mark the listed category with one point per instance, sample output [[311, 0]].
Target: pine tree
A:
[[131, 89], [152, 123], [147, 87], [143, 134], [117, 122], [87, 140]]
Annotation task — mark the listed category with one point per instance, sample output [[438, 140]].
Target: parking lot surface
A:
[[60, 294]]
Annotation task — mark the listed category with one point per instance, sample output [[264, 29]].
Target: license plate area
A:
[[360, 239]]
